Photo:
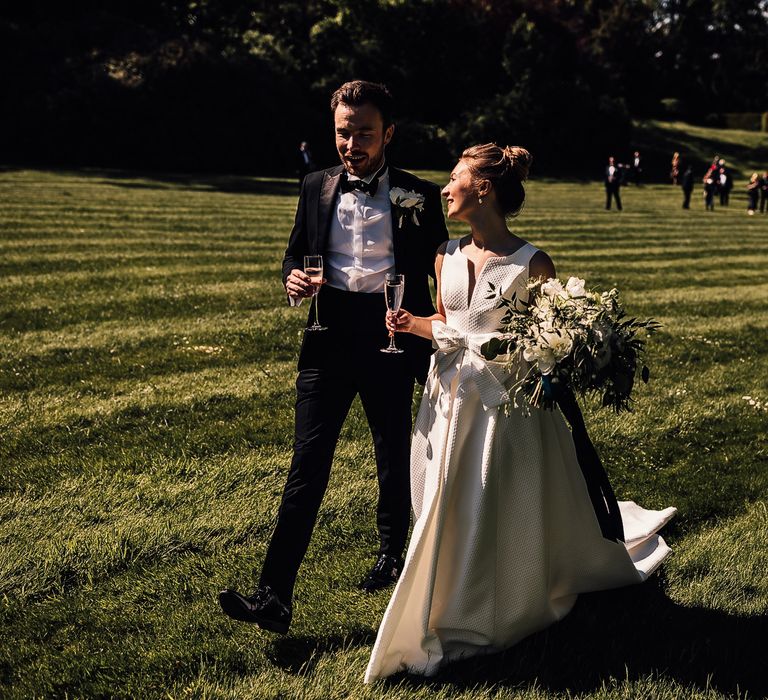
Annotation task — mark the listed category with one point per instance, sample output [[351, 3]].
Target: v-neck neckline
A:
[[478, 274]]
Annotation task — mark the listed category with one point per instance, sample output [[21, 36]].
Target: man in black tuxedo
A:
[[687, 185], [612, 183], [350, 215]]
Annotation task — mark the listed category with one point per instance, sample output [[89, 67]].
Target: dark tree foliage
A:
[[225, 85]]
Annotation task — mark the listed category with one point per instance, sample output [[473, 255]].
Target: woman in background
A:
[[675, 172], [753, 191]]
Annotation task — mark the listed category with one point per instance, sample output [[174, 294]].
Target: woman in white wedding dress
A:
[[505, 535]]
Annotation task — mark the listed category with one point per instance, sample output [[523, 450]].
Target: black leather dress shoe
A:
[[384, 573], [263, 607]]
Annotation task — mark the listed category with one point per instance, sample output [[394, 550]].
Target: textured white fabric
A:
[[505, 536], [360, 250]]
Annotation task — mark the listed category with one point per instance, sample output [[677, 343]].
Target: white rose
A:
[[575, 287], [559, 343], [553, 288], [543, 357]]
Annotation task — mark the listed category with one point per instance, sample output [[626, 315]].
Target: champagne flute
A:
[[394, 286], [313, 266]]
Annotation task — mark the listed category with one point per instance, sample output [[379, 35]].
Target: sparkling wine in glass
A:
[[313, 267], [394, 286]]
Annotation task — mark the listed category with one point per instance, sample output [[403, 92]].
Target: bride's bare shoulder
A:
[[541, 265]]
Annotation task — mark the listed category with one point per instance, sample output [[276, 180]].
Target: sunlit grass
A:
[[146, 393]]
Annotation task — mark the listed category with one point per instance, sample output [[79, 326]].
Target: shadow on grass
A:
[[631, 633], [658, 145], [209, 182], [229, 184], [300, 654]]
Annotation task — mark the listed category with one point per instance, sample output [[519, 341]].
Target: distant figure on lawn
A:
[[724, 184], [687, 184], [636, 168], [304, 161], [370, 222], [674, 173], [710, 189], [612, 183], [753, 192], [764, 193]]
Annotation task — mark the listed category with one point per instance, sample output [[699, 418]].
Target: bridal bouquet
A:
[[572, 337]]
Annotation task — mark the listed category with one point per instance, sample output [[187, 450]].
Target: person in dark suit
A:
[[305, 164], [636, 167], [687, 184], [764, 193], [612, 183], [366, 218], [724, 184], [710, 188]]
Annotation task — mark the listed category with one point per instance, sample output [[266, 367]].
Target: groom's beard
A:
[[364, 166]]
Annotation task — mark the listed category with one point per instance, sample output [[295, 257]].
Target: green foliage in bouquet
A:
[[564, 335]]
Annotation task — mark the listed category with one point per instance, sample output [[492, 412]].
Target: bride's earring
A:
[[480, 199]]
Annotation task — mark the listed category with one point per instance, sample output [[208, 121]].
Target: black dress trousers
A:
[[334, 366]]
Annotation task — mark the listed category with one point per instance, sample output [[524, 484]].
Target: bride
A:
[[505, 534]]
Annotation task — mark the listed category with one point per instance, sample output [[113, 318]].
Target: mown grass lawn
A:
[[146, 389]]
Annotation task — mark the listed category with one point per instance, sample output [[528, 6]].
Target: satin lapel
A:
[[328, 191], [398, 231]]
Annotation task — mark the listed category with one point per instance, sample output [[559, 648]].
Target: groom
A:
[[356, 217]]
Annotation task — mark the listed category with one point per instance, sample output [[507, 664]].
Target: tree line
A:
[[234, 86]]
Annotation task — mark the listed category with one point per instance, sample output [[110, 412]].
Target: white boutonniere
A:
[[406, 203]]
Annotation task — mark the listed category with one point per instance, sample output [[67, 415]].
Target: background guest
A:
[[305, 162], [710, 187], [687, 185], [764, 193], [636, 168], [674, 173], [724, 184], [753, 192], [612, 184]]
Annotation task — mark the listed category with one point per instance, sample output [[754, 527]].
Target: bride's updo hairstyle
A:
[[505, 168]]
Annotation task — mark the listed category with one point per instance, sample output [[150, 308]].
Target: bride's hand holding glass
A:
[[399, 322]]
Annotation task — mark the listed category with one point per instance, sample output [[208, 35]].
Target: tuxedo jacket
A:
[[616, 182], [414, 247]]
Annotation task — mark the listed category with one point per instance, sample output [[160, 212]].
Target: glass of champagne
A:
[[394, 286], [313, 266]]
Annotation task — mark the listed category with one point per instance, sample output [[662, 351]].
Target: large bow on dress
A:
[[460, 352]]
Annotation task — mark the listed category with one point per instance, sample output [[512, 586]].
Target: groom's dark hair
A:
[[360, 92]]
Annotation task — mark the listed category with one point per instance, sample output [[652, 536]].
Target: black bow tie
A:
[[369, 188]]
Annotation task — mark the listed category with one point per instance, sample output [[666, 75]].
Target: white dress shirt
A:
[[360, 250]]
